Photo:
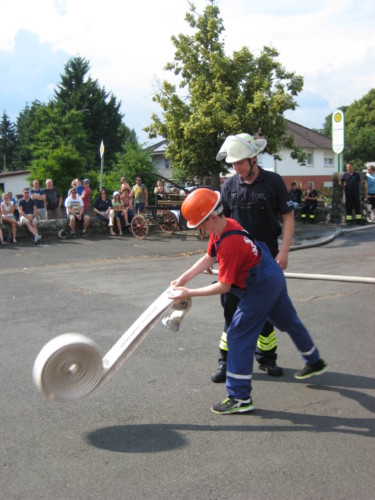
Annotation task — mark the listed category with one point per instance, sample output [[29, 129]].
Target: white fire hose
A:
[[70, 366], [320, 277]]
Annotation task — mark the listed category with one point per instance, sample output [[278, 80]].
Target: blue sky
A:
[[331, 43]]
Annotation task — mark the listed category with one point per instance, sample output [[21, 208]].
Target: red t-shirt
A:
[[86, 193], [236, 255]]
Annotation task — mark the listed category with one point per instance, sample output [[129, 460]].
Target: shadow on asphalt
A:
[[156, 438]]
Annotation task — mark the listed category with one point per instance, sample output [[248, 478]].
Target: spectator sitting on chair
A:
[[53, 201], [28, 214], [118, 212], [295, 195], [7, 212], [127, 203], [75, 212], [159, 190], [103, 209], [310, 203], [16, 211]]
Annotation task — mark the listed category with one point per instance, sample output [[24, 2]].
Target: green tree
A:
[[130, 162], [59, 145], [27, 129], [100, 110], [360, 130], [61, 164], [327, 125], [220, 95], [8, 142]]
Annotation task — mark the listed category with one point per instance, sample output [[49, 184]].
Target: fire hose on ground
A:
[[70, 366]]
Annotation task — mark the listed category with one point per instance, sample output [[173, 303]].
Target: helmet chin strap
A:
[[251, 173]]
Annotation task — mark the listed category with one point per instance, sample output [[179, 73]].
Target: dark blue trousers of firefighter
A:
[[266, 297]]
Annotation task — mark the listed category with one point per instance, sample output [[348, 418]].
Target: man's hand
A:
[[282, 259]]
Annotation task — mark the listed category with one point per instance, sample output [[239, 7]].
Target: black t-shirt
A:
[[52, 198], [351, 181], [27, 206], [296, 195], [312, 203], [258, 206], [102, 205]]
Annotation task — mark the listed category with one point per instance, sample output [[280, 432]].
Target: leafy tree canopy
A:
[[102, 119], [8, 142], [220, 95], [359, 130], [128, 163]]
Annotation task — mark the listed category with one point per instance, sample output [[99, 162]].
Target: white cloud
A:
[[329, 42]]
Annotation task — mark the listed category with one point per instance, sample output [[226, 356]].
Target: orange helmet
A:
[[199, 205]]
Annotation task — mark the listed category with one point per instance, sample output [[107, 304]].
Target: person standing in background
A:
[[140, 193], [351, 181], [53, 201], [39, 197]]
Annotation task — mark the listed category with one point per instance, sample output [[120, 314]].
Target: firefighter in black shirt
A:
[[256, 199], [352, 180], [310, 199]]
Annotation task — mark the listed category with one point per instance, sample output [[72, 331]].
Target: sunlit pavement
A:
[[149, 432]]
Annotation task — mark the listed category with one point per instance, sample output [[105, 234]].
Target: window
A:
[[309, 160], [328, 162]]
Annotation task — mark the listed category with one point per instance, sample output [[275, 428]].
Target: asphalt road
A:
[[149, 431]]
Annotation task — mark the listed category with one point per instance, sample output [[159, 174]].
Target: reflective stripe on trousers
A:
[[266, 297]]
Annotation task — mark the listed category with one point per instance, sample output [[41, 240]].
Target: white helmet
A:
[[238, 147]]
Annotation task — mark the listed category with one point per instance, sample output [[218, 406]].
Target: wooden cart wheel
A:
[[139, 227], [168, 222]]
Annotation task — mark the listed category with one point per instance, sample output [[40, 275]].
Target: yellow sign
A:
[[101, 149], [337, 117], [338, 141]]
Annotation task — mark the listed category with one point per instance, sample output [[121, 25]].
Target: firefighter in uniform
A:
[[247, 270], [310, 204], [256, 199], [351, 181]]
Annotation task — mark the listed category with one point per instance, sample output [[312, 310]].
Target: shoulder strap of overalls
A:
[[230, 233]]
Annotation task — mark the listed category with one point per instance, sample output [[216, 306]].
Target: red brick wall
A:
[[302, 180]]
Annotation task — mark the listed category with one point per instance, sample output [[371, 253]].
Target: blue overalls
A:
[[265, 297]]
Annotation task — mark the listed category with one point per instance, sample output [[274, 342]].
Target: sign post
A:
[[101, 150], [338, 141]]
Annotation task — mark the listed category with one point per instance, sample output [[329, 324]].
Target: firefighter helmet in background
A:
[[239, 147], [199, 205]]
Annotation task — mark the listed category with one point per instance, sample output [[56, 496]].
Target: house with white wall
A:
[[320, 165], [14, 182]]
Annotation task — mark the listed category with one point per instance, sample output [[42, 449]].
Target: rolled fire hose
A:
[[70, 366]]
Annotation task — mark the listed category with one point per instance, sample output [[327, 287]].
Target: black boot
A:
[[221, 373], [271, 368]]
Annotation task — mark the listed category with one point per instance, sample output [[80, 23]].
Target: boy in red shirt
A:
[[248, 270]]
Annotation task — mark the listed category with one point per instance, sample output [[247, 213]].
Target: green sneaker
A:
[[232, 405], [309, 370]]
